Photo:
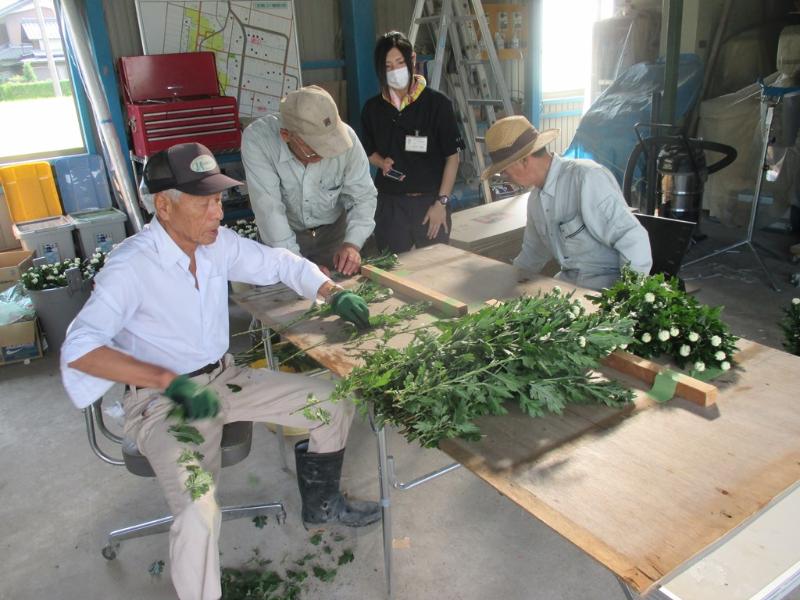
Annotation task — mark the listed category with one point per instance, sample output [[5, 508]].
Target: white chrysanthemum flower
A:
[[725, 365], [576, 310], [389, 292], [556, 289], [623, 346], [582, 342], [685, 350], [719, 355], [795, 300], [663, 335], [693, 337], [674, 331], [646, 337], [545, 337], [571, 315], [699, 366], [716, 341], [634, 314], [650, 297]]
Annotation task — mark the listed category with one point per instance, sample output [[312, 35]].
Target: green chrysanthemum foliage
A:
[[537, 352], [791, 327], [669, 321]]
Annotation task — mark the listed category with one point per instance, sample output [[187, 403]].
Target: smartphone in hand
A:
[[395, 174]]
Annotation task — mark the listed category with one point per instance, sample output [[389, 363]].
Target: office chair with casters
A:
[[236, 440]]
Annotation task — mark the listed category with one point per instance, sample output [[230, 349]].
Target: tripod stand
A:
[[771, 97]]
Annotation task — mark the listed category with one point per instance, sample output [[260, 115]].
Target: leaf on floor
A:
[[259, 521], [324, 574], [156, 568]]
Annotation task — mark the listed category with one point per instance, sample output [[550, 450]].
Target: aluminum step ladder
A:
[[476, 77]]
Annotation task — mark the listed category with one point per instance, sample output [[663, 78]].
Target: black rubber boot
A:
[[318, 477]]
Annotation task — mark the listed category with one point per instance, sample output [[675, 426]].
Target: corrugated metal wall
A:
[[395, 14], [563, 114]]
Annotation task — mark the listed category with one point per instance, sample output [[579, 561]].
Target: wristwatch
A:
[[443, 199]]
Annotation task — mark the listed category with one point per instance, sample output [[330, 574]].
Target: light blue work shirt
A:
[[287, 196], [580, 218]]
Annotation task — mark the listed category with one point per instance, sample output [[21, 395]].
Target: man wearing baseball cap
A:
[[576, 212], [309, 182], [157, 321]]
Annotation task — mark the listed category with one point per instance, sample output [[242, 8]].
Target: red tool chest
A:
[[174, 98]]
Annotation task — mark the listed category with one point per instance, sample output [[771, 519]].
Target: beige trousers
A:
[[265, 396]]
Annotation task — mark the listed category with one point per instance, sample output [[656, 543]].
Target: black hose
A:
[[664, 140]]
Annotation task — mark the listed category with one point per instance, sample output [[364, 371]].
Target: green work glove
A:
[[198, 401], [351, 307]]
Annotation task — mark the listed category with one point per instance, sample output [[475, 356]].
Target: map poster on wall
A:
[[255, 44]]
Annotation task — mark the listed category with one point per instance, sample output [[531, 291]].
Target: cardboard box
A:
[[12, 265], [19, 342]]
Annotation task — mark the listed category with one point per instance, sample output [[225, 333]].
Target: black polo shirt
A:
[[384, 130]]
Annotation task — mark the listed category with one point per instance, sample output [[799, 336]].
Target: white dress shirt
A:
[[287, 196], [580, 218], [145, 302]]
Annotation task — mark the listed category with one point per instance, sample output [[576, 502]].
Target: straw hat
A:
[[512, 138]]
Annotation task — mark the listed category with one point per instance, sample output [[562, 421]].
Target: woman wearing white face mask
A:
[[410, 133]]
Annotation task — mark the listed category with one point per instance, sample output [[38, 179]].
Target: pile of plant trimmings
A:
[[669, 321], [537, 352]]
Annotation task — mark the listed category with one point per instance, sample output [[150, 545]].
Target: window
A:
[[37, 118]]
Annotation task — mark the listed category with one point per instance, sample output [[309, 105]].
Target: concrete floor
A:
[[458, 538]]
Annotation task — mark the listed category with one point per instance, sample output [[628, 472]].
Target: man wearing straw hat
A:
[[576, 212]]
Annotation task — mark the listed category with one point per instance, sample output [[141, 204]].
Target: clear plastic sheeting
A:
[[739, 120], [15, 306], [606, 133]]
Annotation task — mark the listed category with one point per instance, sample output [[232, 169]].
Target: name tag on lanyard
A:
[[416, 143]]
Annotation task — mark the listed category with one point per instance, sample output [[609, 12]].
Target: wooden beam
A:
[[445, 304], [693, 390]]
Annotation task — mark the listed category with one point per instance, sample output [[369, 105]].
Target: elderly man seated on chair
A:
[[158, 321]]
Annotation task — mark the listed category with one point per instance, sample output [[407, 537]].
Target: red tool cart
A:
[[174, 98]]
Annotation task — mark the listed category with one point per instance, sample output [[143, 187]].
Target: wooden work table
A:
[[643, 489]]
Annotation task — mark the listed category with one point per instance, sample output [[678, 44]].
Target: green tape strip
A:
[[400, 272], [706, 375], [664, 386]]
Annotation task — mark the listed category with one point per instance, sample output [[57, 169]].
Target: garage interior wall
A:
[[320, 31]]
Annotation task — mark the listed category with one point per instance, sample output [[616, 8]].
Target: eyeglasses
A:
[[300, 147]]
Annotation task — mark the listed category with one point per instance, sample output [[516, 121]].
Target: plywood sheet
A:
[[494, 230], [642, 491]]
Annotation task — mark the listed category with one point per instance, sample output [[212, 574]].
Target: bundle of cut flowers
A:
[[538, 352], [245, 228], [669, 321], [54, 275], [791, 327]]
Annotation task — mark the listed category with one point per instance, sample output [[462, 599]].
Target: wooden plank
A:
[[441, 302], [694, 390]]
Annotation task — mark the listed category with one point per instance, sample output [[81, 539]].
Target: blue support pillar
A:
[[358, 29], [533, 69], [101, 50]]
